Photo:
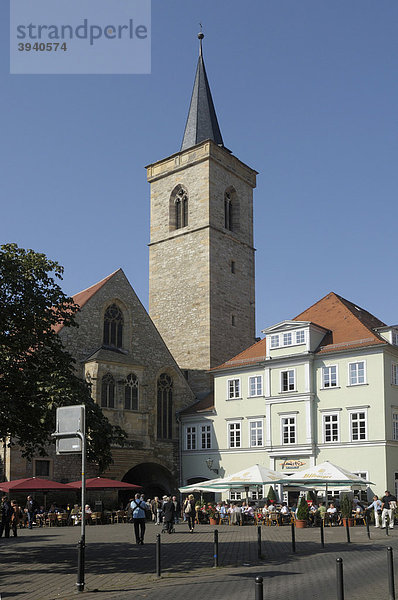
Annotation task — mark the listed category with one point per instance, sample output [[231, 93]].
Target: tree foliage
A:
[[303, 511], [37, 374]]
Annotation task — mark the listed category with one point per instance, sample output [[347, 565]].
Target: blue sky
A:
[[305, 92]]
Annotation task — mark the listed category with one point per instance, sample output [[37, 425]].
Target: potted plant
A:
[[302, 513], [271, 495], [346, 510], [212, 512]]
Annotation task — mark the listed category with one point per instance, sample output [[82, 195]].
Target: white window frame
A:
[[394, 423], [236, 392], [256, 430], [190, 437], [293, 389], [287, 338], [205, 429], [328, 369], [300, 333], [351, 414], [357, 362], [275, 341], [330, 414], [394, 373], [233, 427], [394, 337], [257, 394], [234, 495], [289, 425]]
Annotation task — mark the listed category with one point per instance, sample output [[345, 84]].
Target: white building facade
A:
[[323, 386]]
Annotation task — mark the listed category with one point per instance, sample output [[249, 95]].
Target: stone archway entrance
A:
[[155, 479]]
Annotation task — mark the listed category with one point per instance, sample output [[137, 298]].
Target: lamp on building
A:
[[209, 463]]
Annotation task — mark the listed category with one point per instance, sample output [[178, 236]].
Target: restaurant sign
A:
[[291, 464]]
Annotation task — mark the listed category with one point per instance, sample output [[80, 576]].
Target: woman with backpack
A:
[[189, 511]]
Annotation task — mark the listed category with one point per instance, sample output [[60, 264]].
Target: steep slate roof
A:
[[203, 406], [81, 298], [202, 123]]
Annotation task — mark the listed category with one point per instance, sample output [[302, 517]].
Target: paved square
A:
[[41, 564]]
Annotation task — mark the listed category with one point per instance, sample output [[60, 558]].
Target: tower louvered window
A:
[[165, 407], [113, 327]]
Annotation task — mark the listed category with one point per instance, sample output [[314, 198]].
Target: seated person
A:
[[332, 514], [285, 513]]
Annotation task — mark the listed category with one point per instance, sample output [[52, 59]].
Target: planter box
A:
[[350, 522], [213, 521]]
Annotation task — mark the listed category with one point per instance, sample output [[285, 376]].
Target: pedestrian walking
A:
[[177, 507], [16, 517], [189, 511], [30, 508], [138, 507], [388, 505], [6, 514], [376, 505], [169, 514]]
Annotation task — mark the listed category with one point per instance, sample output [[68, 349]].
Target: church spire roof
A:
[[202, 121]]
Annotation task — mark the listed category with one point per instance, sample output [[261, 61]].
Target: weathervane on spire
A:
[[201, 35]]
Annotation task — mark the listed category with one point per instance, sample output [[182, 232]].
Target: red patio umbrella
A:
[[103, 483], [32, 484]]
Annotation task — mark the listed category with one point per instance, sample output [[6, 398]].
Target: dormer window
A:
[[300, 337], [287, 339], [274, 341], [394, 337]]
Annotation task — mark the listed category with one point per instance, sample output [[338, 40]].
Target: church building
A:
[[145, 369]]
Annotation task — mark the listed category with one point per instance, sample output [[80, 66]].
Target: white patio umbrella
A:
[[325, 474], [203, 486], [255, 475]]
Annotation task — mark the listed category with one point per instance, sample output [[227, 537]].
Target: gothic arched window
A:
[[165, 407], [178, 208], [131, 392], [113, 327], [108, 391]]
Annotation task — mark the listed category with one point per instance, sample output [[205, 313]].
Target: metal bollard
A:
[[340, 581], [158, 564], [293, 530], [390, 567], [259, 588], [259, 542], [347, 530], [322, 534], [80, 564], [215, 548], [367, 520]]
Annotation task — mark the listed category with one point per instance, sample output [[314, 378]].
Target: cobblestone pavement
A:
[[41, 564]]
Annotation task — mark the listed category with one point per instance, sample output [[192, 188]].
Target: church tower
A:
[[201, 254]]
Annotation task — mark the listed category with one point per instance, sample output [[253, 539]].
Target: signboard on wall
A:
[[291, 464]]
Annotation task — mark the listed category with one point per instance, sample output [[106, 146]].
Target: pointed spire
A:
[[202, 121]]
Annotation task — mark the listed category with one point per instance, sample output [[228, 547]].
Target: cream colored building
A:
[[323, 386]]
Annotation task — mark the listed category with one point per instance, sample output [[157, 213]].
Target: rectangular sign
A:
[[70, 419], [59, 37]]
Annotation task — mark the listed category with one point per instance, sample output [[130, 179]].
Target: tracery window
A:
[[181, 209], [131, 392], [165, 407], [108, 391], [113, 327]]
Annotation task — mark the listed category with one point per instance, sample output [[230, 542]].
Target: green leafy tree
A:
[[37, 374]]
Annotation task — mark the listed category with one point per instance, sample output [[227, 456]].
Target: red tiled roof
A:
[[81, 298], [350, 325], [253, 354]]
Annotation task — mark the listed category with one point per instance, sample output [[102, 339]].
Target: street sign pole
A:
[[72, 448]]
